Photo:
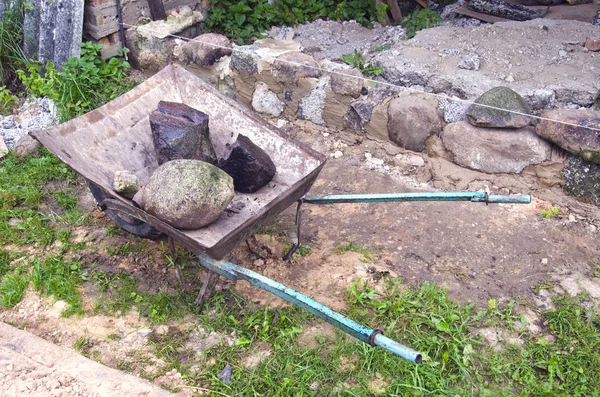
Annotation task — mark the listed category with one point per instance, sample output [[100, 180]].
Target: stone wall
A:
[[102, 26]]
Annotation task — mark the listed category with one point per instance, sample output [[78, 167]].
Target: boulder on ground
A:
[[249, 166], [27, 146], [582, 179], [266, 101], [186, 194], [494, 151], [499, 98], [291, 66], [575, 136], [206, 49], [126, 183], [412, 119], [181, 132]]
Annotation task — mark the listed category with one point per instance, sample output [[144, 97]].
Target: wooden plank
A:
[[157, 9]]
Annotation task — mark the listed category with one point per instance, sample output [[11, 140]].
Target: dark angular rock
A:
[[249, 166], [582, 179], [596, 20], [181, 132], [506, 10]]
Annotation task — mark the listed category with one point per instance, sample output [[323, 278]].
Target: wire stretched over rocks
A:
[[384, 83]]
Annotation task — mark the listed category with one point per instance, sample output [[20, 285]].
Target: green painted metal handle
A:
[[476, 197], [234, 272]]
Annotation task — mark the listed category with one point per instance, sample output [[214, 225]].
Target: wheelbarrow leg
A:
[[177, 272], [206, 290], [288, 255], [256, 249]]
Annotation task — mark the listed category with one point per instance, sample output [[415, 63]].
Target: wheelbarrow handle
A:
[[373, 337], [476, 197]]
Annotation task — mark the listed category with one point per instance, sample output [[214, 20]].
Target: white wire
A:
[[384, 83]]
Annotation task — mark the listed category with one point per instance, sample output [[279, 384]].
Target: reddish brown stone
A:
[[592, 43]]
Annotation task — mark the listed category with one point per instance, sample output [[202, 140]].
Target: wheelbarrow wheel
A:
[[132, 225]]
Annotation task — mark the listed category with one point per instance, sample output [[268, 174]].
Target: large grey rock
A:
[[499, 98], [574, 136], [27, 146], [206, 49], [186, 194], [494, 150], [181, 132], [412, 119], [582, 179], [312, 105], [347, 82], [291, 66], [249, 166], [152, 45], [245, 58], [266, 101]]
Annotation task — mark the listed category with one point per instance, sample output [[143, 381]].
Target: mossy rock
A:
[[187, 194], [493, 117]]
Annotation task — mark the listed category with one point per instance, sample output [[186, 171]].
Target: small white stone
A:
[[337, 154], [544, 261], [259, 263], [325, 134], [510, 78], [368, 155], [572, 218]]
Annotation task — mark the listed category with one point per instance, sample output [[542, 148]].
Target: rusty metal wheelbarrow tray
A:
[[117, 136]]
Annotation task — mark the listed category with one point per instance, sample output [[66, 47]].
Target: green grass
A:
[[457, 363], [12, 288], [60, 279], [367, 254], [23, 185]]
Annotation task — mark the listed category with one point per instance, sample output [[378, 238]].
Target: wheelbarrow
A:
[[117, 136]]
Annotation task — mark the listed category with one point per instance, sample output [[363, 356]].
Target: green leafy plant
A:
[[358, 62], [419, 20], [12, 56], [84, 83], [550, 213], [247, 19], [7, 99]]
